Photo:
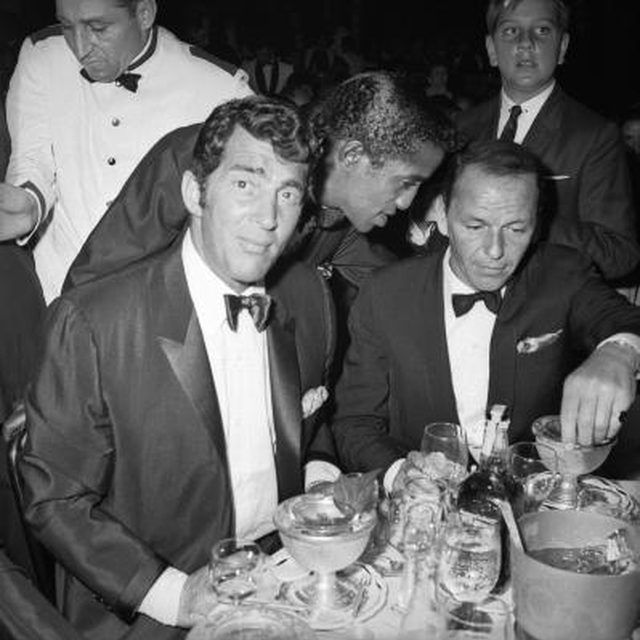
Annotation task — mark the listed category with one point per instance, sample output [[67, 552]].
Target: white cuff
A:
[[319, 471], [391, 474], [162, 601], [34, 192]]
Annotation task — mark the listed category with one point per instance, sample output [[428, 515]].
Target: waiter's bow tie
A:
[[463, 302], [127, 80], [256, 304]]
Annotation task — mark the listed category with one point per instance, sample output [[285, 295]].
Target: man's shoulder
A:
[[557, 265], [406, 275], [51, 35], [577, 115], [194, 57]]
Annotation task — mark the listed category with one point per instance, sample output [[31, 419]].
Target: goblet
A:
[[487, 620], [233, 567], [573, 460], [445, 447], [533, 466], [323, 538], [469, 564]]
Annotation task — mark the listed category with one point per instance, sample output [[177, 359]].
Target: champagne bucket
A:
[[554, 604]]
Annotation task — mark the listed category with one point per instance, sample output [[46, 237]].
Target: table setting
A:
[[528, 545]]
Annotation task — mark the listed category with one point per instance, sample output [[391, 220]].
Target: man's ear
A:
[[564, 45], [351, 153], [191, 194], [491, 51], [438, 213], [146, 11]]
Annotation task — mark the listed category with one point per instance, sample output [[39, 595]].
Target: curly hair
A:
[[265, 118], [385, 111], [496, 9]]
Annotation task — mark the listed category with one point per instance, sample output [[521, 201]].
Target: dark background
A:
[[602, 68]]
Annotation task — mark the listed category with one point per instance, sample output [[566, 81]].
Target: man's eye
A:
[[474, 227], [509, 32], [241, 184], [543, 31], [290, 196]]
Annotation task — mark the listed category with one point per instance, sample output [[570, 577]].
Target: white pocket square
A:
[[313, 399], [535, 343], [559, 177]]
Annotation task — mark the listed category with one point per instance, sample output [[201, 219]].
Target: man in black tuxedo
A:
[[422, 351], [587, 184], [376, 141], [162, 419]]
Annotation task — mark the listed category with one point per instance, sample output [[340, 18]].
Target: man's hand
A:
[[197, 598], [596, 393], [18, 212]]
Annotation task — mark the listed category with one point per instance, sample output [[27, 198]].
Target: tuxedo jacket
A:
[[588, 194], [397, 377], [25, 614], [125, 466]]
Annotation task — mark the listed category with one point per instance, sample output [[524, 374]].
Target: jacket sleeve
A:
[[360, 425], [32, 162], [604, 224], [67, 466]]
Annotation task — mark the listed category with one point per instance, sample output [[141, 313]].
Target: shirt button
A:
[[111, 161], [115, 122]]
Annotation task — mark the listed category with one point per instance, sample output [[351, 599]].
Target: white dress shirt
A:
[[240, 366], [530, 109], [74, 142]]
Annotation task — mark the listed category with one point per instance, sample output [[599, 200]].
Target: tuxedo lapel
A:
[[287, 412], [432, 342], [180, 338]]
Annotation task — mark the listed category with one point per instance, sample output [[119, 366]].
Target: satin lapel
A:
[[181, 340], [432, 342], [503, 359], [287, 412], [546, 127]]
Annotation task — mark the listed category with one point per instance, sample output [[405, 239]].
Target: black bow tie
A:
[[127, 80], [463, 302], [258, 305]]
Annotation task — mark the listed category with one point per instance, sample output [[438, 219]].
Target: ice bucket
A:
[[554, 604]]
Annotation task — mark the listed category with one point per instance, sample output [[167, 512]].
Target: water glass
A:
[[470, 557], [234, 568], [486, 620], [533, 466], [444, 445]]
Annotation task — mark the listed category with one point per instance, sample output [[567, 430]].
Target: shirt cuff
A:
[[391, 474], [35, 193], [316, 471], [162, 601]]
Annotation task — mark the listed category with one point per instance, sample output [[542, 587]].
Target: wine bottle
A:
[[481, 491]]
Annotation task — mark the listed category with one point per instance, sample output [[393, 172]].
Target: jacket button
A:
[[111, 161], [115, 122]]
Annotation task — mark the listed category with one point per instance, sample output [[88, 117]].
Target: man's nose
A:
[[404, 200], [266, 213], [526, 39], [495, 244], [80, 42]]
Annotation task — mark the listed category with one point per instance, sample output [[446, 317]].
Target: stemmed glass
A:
[[444, 446], [533, 467], [573, 460], [233, 569], [324, 539], [487, 620], [470, 557]]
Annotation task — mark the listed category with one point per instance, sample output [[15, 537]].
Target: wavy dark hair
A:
[[496, 9], [265, 118]]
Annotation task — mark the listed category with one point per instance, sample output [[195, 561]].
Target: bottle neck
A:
[[494, 449]]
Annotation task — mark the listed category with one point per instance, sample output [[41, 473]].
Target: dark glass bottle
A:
[[491, 482]]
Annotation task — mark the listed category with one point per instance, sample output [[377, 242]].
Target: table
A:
[[385, 625]]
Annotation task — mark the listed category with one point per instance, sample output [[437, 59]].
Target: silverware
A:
[[359, 598]]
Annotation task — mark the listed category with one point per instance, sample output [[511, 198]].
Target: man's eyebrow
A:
[[293, 183], [248, 168]]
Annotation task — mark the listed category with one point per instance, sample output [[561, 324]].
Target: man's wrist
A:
[[625, 347]]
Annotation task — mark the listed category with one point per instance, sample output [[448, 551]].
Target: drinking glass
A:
[[470, 556], [534, 467], [444, 445], [233, 569], [486, 620]]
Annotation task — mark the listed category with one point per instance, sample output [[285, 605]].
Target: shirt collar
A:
[[531, 106], [147, 51], [453, 284], [207, 289]]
